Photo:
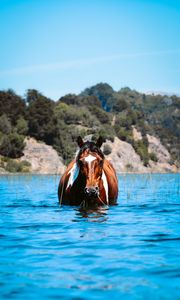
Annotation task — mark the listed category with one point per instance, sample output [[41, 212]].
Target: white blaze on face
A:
[[74, 172], [89, 158], [105, 183]]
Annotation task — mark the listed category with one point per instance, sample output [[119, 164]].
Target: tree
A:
[[12, 145], [12, 105], [22, 126], [69, 99], [40, 116], [100, 114], [5, 124], [32, 95]]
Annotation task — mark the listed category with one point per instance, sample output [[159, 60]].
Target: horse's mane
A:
[[92, 147]]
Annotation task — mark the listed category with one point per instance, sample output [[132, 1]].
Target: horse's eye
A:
[[80, 162]]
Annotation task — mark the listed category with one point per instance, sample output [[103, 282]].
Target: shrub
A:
[[141, 149], [153, 156], [107, 133], [14, 166], [25, 166], [129, 167], [124, 134], [12, 145], [107, 149]]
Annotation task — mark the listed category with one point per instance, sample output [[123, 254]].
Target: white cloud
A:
[[79, 63]]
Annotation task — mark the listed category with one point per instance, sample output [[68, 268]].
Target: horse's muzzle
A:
[[91, 192]]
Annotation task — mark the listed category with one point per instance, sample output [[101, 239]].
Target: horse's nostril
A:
[[86, 190], [91, 191]]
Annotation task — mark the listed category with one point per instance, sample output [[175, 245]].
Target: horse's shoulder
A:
[[65, 176]]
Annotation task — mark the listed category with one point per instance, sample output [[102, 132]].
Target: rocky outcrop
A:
[[125, 159], [137, 136], [43, 158], [163, 156], [156, 147]]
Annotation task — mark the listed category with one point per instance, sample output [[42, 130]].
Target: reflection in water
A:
[[98, 214]]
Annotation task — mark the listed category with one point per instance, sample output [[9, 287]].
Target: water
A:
[[129, 251]]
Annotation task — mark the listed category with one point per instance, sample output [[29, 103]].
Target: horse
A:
[[90, 179]]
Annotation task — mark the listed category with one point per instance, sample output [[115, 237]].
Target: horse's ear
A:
[[100, 141], [80, 141]]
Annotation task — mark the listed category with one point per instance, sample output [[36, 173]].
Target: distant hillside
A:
[[98, 110], [155, 114]]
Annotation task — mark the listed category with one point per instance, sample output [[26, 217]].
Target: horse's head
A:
[[90, 161]]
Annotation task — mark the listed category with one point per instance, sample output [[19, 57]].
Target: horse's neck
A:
[[108, 168]]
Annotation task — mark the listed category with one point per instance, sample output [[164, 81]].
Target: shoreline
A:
[[54, 174]]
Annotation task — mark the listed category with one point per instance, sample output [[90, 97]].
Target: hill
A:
[[130, 116]]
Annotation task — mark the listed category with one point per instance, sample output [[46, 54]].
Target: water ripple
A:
[[128, 251]]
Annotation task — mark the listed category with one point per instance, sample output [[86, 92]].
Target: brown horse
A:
[[89, 179]]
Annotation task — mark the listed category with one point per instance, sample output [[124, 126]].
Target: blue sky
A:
[[60, 47]]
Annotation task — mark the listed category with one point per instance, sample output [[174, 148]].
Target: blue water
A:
[[129, 251]]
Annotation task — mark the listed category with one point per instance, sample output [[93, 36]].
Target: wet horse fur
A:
[[89, 179]]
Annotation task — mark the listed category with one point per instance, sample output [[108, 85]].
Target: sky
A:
[[65, 46]]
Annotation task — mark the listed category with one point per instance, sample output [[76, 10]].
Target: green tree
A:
[[5, 124], [12, 105], [40, 116], [100, 114], [22, 126], [12, 145]]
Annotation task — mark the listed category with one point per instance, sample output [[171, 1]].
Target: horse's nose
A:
[[92, 191]]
